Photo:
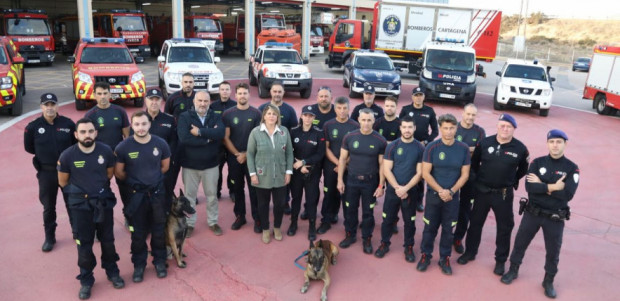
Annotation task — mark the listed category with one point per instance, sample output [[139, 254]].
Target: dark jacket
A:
[[200, 152]]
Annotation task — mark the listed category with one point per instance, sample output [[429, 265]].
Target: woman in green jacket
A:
[[270, 163]]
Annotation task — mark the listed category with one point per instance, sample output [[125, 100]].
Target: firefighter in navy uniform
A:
[[471, 134], [141, 161], [46, 137], [308, 151], [182, 100], [551, 183], [84, 172], [389, 124], [425, 119], [498, 162], [164, 126], [218, 107]]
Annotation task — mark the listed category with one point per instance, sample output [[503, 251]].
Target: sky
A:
[[578, 9]]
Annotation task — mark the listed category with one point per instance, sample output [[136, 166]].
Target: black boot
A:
[[292, 229], [548, 285], [512, 274], [50, 241], [312, 230]]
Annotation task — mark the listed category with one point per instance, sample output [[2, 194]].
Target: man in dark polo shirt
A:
[[388, 126], [218, 107], [363, 150], [369, 102], [402, 168], [334, 130], [84, 172], [445, 168], [141, 161], [239, 122], [182, 100]]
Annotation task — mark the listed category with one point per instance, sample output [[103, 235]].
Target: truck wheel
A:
[[80, 104], [138, 102], [262, 90], [18, 105], [23, 83], [543, 112], [252, 77], [305, 93], [601, 104], [496, 104], [344, 82]]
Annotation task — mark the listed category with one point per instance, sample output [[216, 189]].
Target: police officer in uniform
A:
[[334, 131], [498, 162], [142, 161], [239, 122], [164, 126], [424, 117], [369, 102], [84, 172], [471, 134], [46, 137], [399, 160], [551, 183], [363, 151], [308, 151], [445, 168], [324, 111], [182, 100], [218, 107]]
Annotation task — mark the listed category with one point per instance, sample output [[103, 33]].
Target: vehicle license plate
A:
[[290, 82], [444, 95], [117, 90]]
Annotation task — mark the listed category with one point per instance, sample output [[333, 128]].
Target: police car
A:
[[279, 62], [108, 60], [373, 68], [525, 85], [196, 56], [12, 86]]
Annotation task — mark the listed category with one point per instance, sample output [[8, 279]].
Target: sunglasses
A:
[[325, 88]]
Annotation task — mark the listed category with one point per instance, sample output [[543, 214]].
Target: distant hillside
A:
[[576, 32]]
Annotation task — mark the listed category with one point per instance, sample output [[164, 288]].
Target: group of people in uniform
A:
[[278, 158]]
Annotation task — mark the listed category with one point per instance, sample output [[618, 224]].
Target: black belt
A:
[[554, 215], [364, 177], [46, 167]]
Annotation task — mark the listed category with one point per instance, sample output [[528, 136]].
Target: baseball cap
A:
[[555, 133], [508, 118], [369, 89], [49, 97], [154, 92], [418, 90], [307, 110]]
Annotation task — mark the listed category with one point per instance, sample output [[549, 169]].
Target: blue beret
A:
[[555, 133], [508, 118]]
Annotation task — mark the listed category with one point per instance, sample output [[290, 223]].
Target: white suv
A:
[[195, 56], [279, 62], [524, 84]]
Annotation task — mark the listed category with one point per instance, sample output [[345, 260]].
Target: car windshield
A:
[[106, 55], [583, 60], [316, 31], [272, 22], [129, 23], [526, 72], [450, 60], [27, 27], [281, 57], [373, 62], [189, 55], [3, 59], [206, 25]]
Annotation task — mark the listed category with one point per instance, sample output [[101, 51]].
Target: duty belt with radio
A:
[[554, 215]]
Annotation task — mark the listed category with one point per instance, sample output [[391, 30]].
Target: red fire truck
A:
[[127, 24], [603, 82], [201, 26], [30, 31], [269, 28]]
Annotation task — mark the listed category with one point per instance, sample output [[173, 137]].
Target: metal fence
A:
[[559, 54]]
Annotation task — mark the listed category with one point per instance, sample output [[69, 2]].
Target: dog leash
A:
[[304, 253]]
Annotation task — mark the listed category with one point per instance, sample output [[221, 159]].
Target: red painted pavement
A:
[[238, 266]]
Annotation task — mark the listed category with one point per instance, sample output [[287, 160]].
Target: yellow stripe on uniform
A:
[[77, 241], [372, 205], [325, 189], [426, 221], [346, 204], [384, 215], [413, 218], [454, 223]]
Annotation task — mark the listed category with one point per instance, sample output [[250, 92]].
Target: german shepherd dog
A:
[[321, 255], [176, 226]]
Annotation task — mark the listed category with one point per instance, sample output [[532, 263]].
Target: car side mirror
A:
[[305, 61], [498, 73], [216, 59], [19, 60], [161, 59], [71, 59], [139, 60]]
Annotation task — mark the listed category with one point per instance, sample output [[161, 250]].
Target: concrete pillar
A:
[[353, 10], [85, 18], [305, 33], [178, 30], [250, 30]]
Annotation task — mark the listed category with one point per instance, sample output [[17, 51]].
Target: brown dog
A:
[[321, 255], [176, 226]]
